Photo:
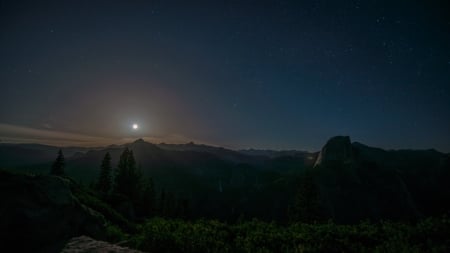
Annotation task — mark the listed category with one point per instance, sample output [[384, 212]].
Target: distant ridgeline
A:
[[345, 181]]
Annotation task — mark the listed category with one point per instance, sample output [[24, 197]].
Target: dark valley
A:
[[347, 183]]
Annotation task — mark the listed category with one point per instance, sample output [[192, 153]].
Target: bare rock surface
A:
[[87, 244], [338, 148]]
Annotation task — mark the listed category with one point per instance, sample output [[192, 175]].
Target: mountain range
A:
[[355, 181]]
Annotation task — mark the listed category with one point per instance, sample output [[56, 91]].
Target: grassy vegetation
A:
[[165, 235]]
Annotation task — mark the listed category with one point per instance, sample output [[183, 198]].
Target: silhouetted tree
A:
[[121, 173], [183, 208], [306, 207], [128, 177], [135, 178], [148, 201], [162, 203], [104, 179], [170, 205], [58, 165]]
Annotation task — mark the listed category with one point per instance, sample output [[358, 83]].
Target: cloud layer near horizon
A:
[[22, 134]]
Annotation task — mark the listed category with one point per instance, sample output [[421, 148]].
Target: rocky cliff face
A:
[[338, 148], [39, 213], [355, 184]]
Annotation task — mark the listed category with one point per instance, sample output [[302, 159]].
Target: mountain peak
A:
[[140, 140], [337, 148]]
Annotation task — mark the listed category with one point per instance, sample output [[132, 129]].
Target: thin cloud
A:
[[21, 134]]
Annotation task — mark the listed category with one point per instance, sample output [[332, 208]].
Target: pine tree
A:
[[162, 203], [131, 162], [128, 177], [120, 180], [148, 198], [306, 206], [170, 205], [104, 180], [183, 208], [58, 165], [134, 177]]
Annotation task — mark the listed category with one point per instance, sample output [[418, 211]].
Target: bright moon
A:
[[135, 126]]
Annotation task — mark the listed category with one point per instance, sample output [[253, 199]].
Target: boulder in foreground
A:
[[87, 244]]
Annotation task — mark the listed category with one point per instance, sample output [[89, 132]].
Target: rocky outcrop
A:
[[355, 184], [39, 213], [87, 244], [337, 149]]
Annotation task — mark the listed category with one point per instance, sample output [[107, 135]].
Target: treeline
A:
[[128, 191], [160, 228], [135, 196]]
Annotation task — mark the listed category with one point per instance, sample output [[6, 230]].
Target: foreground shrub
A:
[[163, 235]]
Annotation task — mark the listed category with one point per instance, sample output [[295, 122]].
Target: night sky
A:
[[239, 74]]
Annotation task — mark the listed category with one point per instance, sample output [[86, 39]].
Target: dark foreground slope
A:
[[39, 213], [43, 213]]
